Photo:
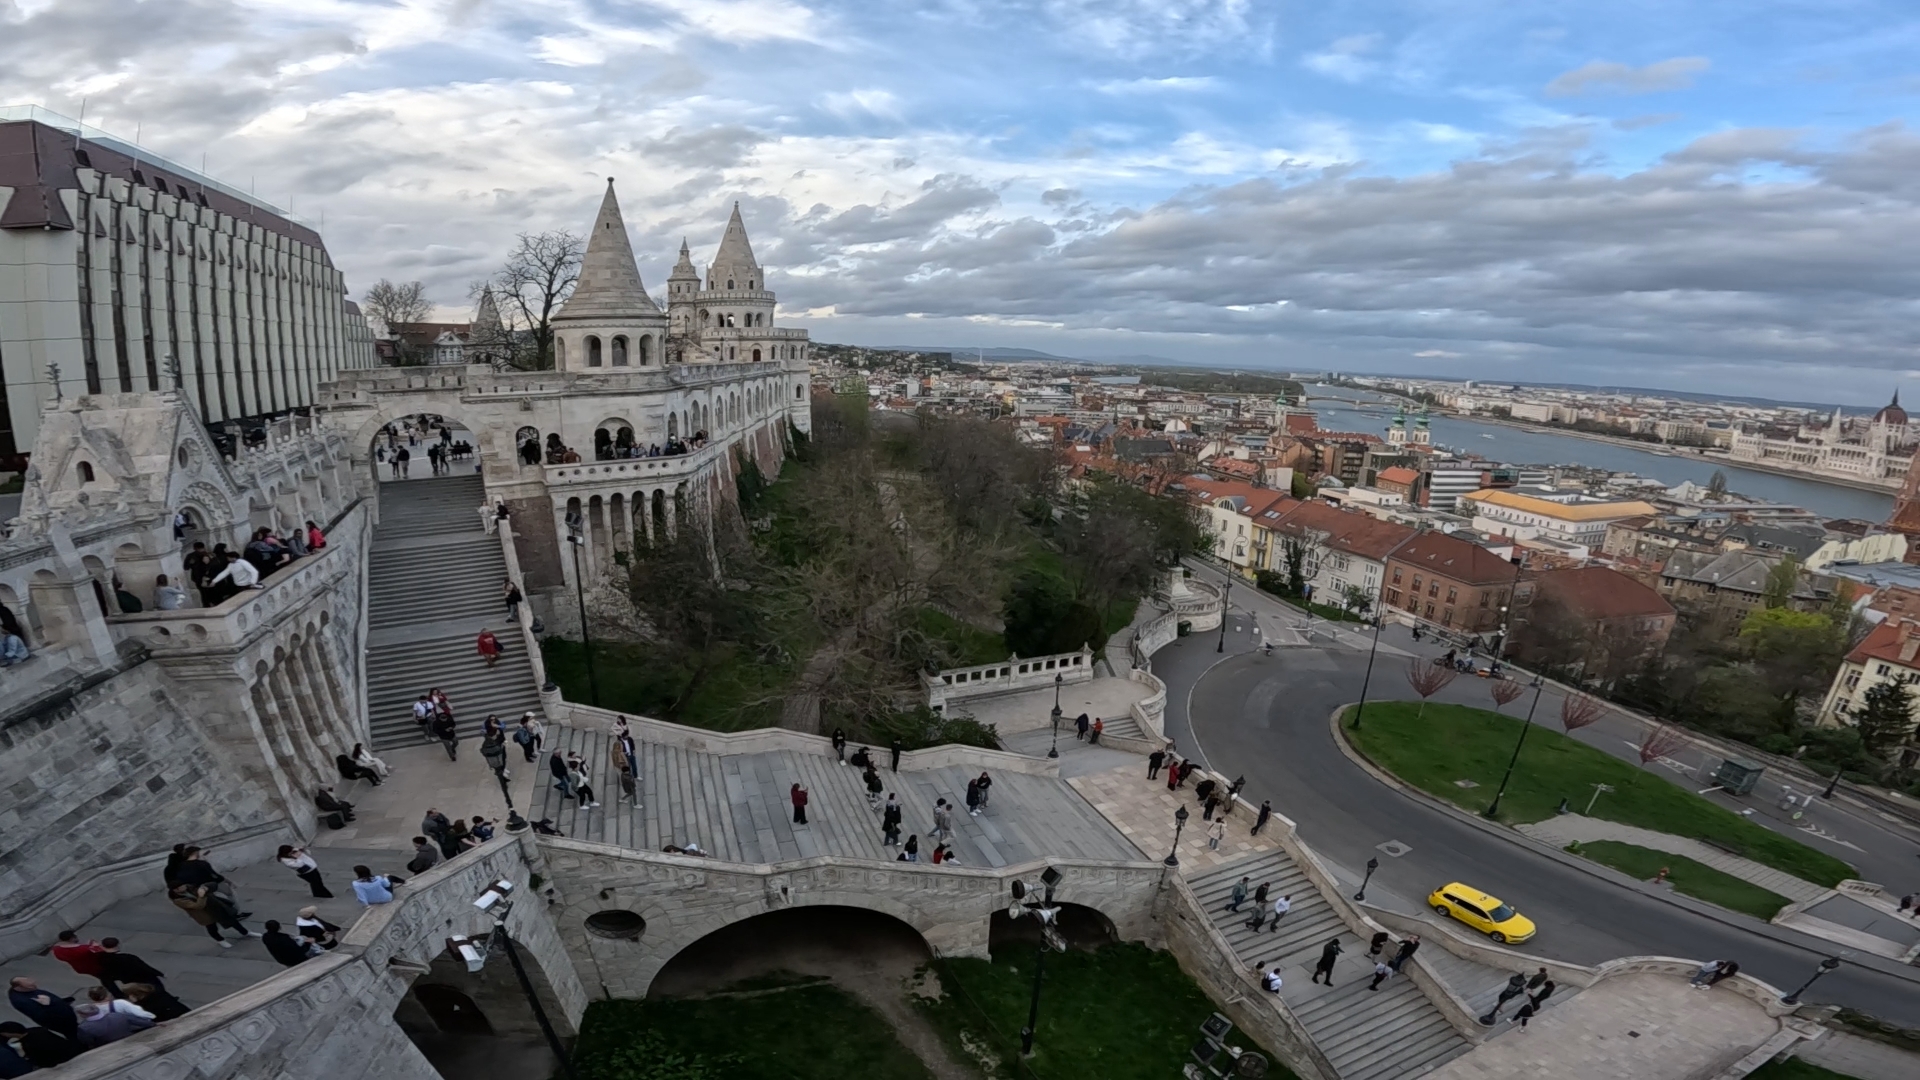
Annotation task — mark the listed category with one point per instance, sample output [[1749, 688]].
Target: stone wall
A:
[[1009, 676], [684, 899], [332, 1018]]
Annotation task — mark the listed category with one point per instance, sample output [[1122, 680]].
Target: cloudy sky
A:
[[1712, 195]]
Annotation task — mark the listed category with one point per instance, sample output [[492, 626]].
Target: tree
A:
[[1301, 486], [1293, 553], [1427, 679], [397, 307], [1717, 485], [1793, 653], [1661, 741], [1781, 581], [538, 277], [1579, 710], [1043, 618], [1885, 716], [692, 609], [1504, 691], [1356, 600]]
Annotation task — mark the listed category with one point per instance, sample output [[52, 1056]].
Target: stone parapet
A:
[[1009, 676]]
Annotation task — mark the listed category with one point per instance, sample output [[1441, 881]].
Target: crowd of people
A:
[[222, 573]]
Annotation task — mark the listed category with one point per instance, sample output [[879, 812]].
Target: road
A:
[[1267, 718]]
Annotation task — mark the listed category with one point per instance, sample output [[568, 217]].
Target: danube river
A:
[[1523, 446]]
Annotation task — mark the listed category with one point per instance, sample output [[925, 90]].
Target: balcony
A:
[[648, 470]]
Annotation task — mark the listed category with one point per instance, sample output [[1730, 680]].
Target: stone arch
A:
[[673, 425], [559, 352], [646, 350], [819, 917], [594, 359], [756, 356], [619, 351]]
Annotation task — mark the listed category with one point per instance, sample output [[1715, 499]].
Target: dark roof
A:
[[1596, 593], [1346, 530], [1141, 449], [1457, 559]]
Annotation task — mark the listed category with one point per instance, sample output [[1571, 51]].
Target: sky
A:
[[1713, 196]]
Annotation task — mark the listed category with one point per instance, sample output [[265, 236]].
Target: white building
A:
[[122, 272], [1879, 448], [1569, 520]]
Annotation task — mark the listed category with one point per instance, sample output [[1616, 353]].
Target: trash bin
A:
[[1183, 628], [1737, 777]]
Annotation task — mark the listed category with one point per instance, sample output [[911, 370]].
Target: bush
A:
[[1043, 619], [922, 727]]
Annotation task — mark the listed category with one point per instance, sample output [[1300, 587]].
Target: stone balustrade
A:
[[1008, 676]]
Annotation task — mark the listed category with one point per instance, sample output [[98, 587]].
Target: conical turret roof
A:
[[487, 319], [684, 269], [735, 259], [609, 285]]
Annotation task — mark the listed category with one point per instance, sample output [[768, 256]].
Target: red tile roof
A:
[[1399, 474], [1597, 593], [1345, 530], [1455, 558], [1885, 642]]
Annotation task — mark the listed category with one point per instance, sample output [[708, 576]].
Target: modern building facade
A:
[[124, 272]]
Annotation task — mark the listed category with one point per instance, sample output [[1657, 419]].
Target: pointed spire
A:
[[684, 269], [609, 285], [487, 319], [734, 261]]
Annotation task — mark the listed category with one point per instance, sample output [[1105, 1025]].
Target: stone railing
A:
[[1009, 676], [1153, 636], [1150, 711], [639, 470], [1198, 603], [504, 526], [776, 740], [332, 1015]]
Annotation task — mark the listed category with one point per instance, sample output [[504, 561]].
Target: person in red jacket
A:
[[488, 647], [799, 796], [82, 956]]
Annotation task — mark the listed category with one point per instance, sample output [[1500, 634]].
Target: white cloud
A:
[[1611, 77], [871, 101], [1179, 84], [1346, 59]]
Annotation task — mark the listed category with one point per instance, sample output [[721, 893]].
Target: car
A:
[[1487, 914]]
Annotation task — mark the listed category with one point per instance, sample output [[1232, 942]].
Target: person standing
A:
[[118, 968], [305, 868], [577, 780], [426, 856], [82, 956], [797, 794], [203, 906], [840, 745], [973, 798], [423, 712], [1538, 978], [100, 1025], [1212, 804], [1280, 909], [43, 1007], [1407, 949], [890, 821], [1379, 942], [1080, 725], [1173, 772], [43, 1047], [1154, 761], [1260, 822], [942, 821], [514, 600], [156, 1000], [1239, 894], [1539, 997], [448, 732], [493, 751], [1216, 833], [894, 748], [524, 736], [986, 784], [911, 853], [400, 459], [557, 765], [1328, 954], [435, 824], [1381, 969]]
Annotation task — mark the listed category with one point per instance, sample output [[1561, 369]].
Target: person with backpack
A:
[[530, 734]]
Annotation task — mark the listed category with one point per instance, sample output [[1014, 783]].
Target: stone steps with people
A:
[[1366, 1034], [399, 672], [737, 807], [437, 581]]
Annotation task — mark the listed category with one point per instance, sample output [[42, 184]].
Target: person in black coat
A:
[[46, 1049], [117, 967], [557, 765], [282, 946], [43, 1007]]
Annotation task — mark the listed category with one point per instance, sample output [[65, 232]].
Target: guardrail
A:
[[1006, 677]]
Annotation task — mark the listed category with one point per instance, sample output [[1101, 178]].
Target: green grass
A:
[[1456, 742], [1795, 1069], [1695, 879], [1124, 1012], [741, 692], [806, 1032], [966, 645]]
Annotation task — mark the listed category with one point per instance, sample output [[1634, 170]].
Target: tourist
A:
[[441, 706], [13, 1062], [1239, 894], [798, 796], [1703, 973], [529, 735], [435, 824], [43, 1047], [1280, 909], [1381, 969], [911, 853], [874, 787], [839, 741], [423, 713], [1727, 970], [156, 1000], [894, 748], [1173, 772], [100, 1025], [1211, 804], [1260, 822], [1538, 978], [493, 751], [1259, 906], [301, 863], [82, 956], [514, 600], [1080, 725], [205, 907], [862, 758], [1329, 953], [557, 765], [400, 459], [370, 888], [577, 780], [482, 829], [240, 572], [1378, 943], [492, 726], [460, 838], [1270, 982], [315, 538], [43, 1007], [118, 968], [973, 798], [1525, 1014], [629, 790], [488, 647], [168, 597], [338, 810], [1154, 761], [1216, 833], [986, 788], [1539, 997], [316, 930], [1407, 948], [942, 821], [1093, 733], [448, 732], [890, 816], [284, 947], [365, 759], [426, 856]]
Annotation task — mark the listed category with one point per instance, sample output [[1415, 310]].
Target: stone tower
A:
[[609, 321], [683, 297]]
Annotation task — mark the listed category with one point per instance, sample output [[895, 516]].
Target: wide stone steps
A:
[[433, 583], [1393, 1032]]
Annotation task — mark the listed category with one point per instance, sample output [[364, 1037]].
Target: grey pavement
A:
[[1267, 716]]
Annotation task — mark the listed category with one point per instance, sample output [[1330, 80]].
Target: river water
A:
[[1521, 446]]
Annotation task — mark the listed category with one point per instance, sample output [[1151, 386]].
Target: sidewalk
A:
[[1569, 828], [1143, 811]]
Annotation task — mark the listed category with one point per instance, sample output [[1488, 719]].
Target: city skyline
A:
[[1708, 200]]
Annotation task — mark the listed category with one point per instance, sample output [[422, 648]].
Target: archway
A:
[[477, 1023], [846, 944], [1082, 927]]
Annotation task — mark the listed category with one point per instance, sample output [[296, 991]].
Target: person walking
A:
[[1407, 949], [117, 969], [1212, 804], [527, 738], [890, 821], [1539, 997], [82, 956], [911, 853], [1516, 986], [1154, 761], [798, 796], [557, 766], [1525, 1014], [1379, 942], [840, 745], [874, 787], [204, 906], [1260, 821], [400, 459], [1259, 906], [43, 1007], [942, 821], [423, 716], [1538, 978], [448, 733], [1381, 969], [301, 863], [1329, 953], [493, 751], [1216, 833], [1280, 909], [1080, 725], [488, 647], [894, 748], [577, 780], [435, 824]]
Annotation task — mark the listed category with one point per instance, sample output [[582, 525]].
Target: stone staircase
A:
[[1394, 1032], [433, 583]]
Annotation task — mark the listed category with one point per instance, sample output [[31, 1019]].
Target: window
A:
[[1416, 583], [1852, 680], [593, 351], [1446, 617], [620, 351], [1452, 595], [1483, 598], [1396, 575], [86, 477], [1429, 610], [1433, 588]]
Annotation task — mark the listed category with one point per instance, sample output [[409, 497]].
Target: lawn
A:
[[1123, 1012], [1456, 742], [805, 1032], [740, 693], [1795, 1069], [1697, 880]]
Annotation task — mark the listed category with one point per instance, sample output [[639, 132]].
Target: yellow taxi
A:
[[1484, 913]]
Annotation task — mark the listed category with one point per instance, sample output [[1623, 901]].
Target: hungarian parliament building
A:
[[1876, 451]]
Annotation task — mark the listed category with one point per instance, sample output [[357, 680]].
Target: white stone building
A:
[[124, 272], [1876, 449]]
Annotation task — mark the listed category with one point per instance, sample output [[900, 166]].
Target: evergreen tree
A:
[[1885, 716]]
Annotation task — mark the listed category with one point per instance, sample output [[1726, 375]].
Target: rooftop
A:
[[1579, 511]]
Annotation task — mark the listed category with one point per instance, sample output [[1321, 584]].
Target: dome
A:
[[1892, 413]]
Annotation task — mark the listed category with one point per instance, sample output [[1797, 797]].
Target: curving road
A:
[[1267, 718]]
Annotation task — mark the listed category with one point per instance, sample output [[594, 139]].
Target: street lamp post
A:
[[576, 526], [1045, 913], [1526, 725], [1826, 965], [1055, 751], [1226, 600], [1372, 865], [1179, 823], [497, 904], [1379, 620]]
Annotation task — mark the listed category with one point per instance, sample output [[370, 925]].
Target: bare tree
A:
[[1427, 679], [397, 306], [1504, 691], [1661, 741], [1579, 710], [538, 277]]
